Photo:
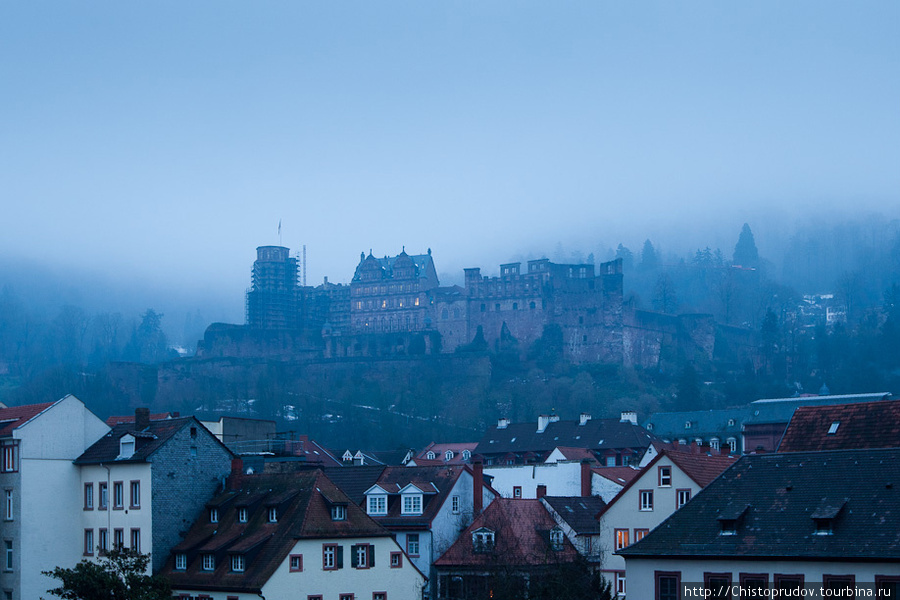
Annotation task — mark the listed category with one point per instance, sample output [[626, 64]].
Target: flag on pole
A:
[[279, 226]]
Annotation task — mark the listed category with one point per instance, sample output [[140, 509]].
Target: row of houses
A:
[[526, 511]]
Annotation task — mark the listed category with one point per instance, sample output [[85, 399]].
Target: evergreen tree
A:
[[745, 252], [649, 257], [627, 257]]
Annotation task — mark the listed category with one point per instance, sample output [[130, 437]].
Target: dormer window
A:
[[237, 563], [180, 562], [556, 539], [687, 424], [466, 455], [242, 515], [825, 515], [448, 455], [483, 540], [430, 456], [377, 504], [273, 514], [834, 427], [730, 519], [126, 447], [214, 515], [412, 504], [338, 512], [731, 422], [209, 562], [727, 526]]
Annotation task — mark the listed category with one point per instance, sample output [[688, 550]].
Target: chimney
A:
[[543, 421], [477, 487], [141, 418], [585, 478], [584, 418], [629, 416], [502, 423], [554, 418], [237, 472], [541, 491]]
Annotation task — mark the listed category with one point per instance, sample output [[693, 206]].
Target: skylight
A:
[[834, 427]]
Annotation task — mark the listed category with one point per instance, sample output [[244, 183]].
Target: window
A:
[[834, 427], [347, 597], [126, 447], [118, 538], [731, 422], [646, 500], [135, 489], [103, 542], [242, 515], [668, 584], [517, 491], [448, 455], [396, 560], [89, 496], [377, 505], [412, 504], [640, 533], [556, 538], [620, 583], [687, 424], [483, 540], [732, 444], [412, 544], [296, 563], [430, 456], [273, 514], [10, 456], [193, 433], [839, 582], [621, 538], [332, 557], [104, 496], [180, 562], [714, 443], [9, 554], [888, 587], [718, 584], [379, 595], [338, 512], [454, 505], [214, 515], [362, 556], [791, 582], [665, 476], [135, 539], [681, 498], [209, 562], [237, 563], [315, 597], [9, 505], [88, 542], [118, 495], [466, 455], [754, 584]]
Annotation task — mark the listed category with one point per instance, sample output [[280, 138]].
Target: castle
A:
[[395, 306]]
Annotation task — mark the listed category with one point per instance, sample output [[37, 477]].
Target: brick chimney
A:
[[541, 491], [477, 487], [585, 478], [237, 472], [141, 418]]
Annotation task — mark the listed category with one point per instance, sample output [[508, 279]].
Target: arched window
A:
[[430, 455], [448, 455]]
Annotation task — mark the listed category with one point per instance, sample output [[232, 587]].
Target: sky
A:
[[165, 141]]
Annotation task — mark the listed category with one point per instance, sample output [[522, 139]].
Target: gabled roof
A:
[[577, 454], [702, 468], [304, 513], [148, 441], [520, 538], [598, 434], [440, 451], [355, 481], [780, 410], [703, 423], [618, 475], [784, 492], [436, 482], [13, 417], [579, 513], [860, 425]]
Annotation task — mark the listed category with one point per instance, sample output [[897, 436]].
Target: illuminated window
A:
[[621, 538]]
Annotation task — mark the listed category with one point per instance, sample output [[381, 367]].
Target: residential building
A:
[[41, 491], [843, 427], [289, 535], [612, 442], [577, 516], [452, 453], [515, 547], [144, 480], [780, 521], [665, 485]]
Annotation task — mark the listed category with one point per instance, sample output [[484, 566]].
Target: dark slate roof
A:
[[14, 416], [775, 497], [780, 410], [436, 481], [579, 513], [521, 538], [860, 425], [423, 262], [704, 423], [354, 481], [304, 504], [113, 421], [598, 434], [147, 441]]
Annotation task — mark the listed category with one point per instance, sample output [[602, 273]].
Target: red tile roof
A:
[[521, 529], [14, 416], [577, 454], [619, 475], [702, 468], [860, 425]]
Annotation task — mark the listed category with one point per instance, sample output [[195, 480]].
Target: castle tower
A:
[[272, 298]]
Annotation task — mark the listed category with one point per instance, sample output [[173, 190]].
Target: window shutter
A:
[[353, 562], [340, 557], [371, 551]]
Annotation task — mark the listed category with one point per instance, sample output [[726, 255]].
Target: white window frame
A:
[[338, 512], [680, 499], [242, 515], [237, 563], [209, 562], [454, 505], [646, 500], [665, 476], [9, 505], [412, 504], [213, 515], [273, 514], [181, 562], [413, 544], [377, 504]]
